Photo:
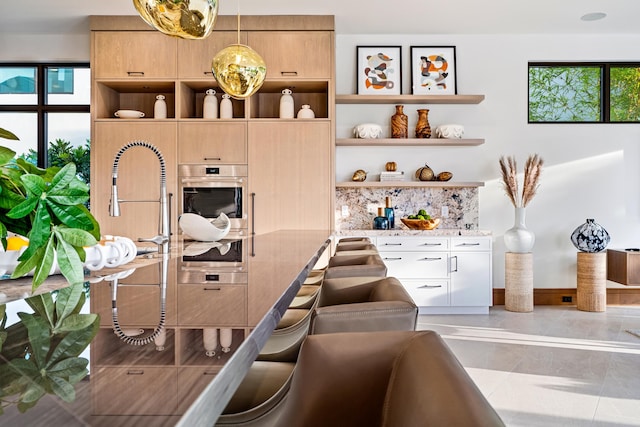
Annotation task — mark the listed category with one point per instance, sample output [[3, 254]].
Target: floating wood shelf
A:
[[409, 99], [432, 184], [410, 142]]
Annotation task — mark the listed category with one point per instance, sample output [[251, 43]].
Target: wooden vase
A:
[[399, 124], [423, 129]]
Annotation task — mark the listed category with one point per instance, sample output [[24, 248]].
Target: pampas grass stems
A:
[[532, 171]]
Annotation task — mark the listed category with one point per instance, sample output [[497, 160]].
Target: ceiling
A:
[[363, 17]]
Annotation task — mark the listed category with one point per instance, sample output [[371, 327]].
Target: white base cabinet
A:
[[443, 275]]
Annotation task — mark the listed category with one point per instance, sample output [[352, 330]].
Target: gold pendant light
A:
[[239, 70], [188, 19]]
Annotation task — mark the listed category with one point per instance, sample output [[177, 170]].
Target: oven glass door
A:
[[210, 202]]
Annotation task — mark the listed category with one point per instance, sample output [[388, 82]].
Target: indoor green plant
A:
[[47, 206]]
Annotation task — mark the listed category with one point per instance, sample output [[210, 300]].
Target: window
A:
[[584, 92], [47, 107]]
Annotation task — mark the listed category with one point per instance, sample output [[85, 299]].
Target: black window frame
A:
[[41, 108], [605, 87]]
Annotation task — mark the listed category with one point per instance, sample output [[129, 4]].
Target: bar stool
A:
[[355, 266]]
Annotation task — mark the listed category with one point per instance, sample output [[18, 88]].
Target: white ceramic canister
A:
[[160, 108], [306, 112], [286, 104], [226, 107], [210, 106]]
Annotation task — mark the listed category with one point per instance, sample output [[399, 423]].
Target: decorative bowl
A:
[[201, 229], [129, 114], [421, 224]]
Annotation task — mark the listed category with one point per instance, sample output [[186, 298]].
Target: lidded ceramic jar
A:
[[210, 106], [226, 107], [306, 112], [160, 108], [286, 104]]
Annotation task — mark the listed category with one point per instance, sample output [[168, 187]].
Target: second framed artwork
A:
[[379, 70], [433, 70]]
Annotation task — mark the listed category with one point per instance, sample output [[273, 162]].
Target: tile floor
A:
[[556, 366]]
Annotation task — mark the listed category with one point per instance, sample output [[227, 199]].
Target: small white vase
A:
[[160, 108], [286, 104], [226, 107], [210, 341], [226, 335], [306, 112], [519, 239], [210, 106]]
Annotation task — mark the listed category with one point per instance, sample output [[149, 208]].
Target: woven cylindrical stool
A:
[[592, 281], [518, 282]]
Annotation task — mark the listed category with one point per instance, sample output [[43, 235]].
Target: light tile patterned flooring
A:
[[556, 366]]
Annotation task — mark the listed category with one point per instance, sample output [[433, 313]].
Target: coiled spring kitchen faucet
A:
[[164, 233]]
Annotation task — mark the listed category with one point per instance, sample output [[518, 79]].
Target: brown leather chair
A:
[[361, 304], [375, 379], [355, 266]]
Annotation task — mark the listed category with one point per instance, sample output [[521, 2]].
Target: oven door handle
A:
[[253, 213], [212, 180]]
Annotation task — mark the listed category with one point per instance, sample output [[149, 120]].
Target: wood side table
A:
[[518, 282], [592, 281], [623, 266]]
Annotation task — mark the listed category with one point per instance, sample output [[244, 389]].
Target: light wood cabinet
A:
[[226, 305], [206, 143], [290, 175], [295, 54], [194, 56], [133, 55], [138, 176]]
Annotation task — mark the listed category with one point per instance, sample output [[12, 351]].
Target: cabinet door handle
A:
[[429, 286], [253, 213], [453, 270], [392, 244], [208, 73], [135, 372], [135, 73], [289, 73], [209, 373], [213, 158], [212, 289], [469, 244], [392, 259], [431, 259], [431, 244]]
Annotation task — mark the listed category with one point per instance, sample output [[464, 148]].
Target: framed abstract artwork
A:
[[379, 70], [433, 70]]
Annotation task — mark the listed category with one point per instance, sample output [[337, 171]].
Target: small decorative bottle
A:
[[306, 112], [160, 108], [399, 124], [210, 341], [226, 107], [389, 213], [423, 129], [226, 337], [381, 222], [210, 106], [286, 104]]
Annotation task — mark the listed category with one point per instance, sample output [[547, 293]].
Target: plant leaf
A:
[[34, 184], [6, 154], [67, 301], [75, 342], [63, 389], [68, 196], [39, 338], [41, 227], [75, 237], [71, 216], [24, 208], [75, 322], [43, 306], [67, 368], [69, 263], [28, 264], [33, 393], [8, 135], [44, 266], [63, 178]]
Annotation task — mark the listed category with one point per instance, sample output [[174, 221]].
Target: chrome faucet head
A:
[[114, 205]]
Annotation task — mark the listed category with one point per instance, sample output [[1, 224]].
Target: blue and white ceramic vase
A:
[[519, 239], [590, 237]]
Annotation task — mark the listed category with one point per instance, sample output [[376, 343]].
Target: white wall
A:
[[591, 170]]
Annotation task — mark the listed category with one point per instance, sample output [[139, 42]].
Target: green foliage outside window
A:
[[61, 152], [625, 94]]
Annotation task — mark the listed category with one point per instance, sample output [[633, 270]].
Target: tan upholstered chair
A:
[[375, 379], [355, 266], [361, 304]]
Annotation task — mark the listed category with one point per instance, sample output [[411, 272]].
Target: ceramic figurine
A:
[[226, 107], [286, 104], [210, 106], [160, 108]]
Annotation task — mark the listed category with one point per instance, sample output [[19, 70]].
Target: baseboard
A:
[[615, 296]]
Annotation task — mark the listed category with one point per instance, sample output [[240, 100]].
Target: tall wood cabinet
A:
[[290, 160]]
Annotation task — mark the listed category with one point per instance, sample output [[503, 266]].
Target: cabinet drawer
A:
[[192, 382], [427, 292], [416, 264], [388, 243], [210, 143], [114, 390], [471, 243], [212, 305]]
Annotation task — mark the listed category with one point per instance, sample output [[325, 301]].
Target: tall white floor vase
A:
[[519, 239]]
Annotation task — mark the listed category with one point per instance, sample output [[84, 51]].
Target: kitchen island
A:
[[153, 368]]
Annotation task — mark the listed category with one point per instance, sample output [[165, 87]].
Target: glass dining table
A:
[[162, 341]]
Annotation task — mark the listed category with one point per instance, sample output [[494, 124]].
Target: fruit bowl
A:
[[421, 224]]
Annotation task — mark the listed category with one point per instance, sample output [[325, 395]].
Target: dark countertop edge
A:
[[206, 409]]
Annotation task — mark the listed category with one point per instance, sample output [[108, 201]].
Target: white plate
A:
[[200, 228], [129, 114]]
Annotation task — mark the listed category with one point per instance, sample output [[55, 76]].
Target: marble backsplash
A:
[[362, 203]]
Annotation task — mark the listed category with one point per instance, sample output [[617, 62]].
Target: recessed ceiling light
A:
[[595, 16]]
